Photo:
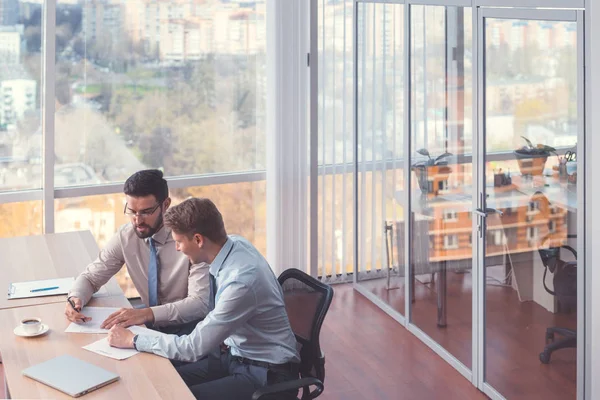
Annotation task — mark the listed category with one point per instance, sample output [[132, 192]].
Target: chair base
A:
[[569, 340]]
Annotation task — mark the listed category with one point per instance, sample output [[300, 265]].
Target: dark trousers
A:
[[230, 379]]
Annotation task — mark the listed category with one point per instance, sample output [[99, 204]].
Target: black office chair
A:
[[306, 301], [565, 289]]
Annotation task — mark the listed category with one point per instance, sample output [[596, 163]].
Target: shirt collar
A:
[[217, 263], [162, 236]]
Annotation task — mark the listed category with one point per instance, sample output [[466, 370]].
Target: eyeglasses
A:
[[142, 214]]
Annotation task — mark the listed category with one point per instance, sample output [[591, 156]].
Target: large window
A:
[[179, 86], [20, 75], [335, 149], [21, 219], [381, 212], [172, 85]]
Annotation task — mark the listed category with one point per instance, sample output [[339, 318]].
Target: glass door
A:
[[530, 204]]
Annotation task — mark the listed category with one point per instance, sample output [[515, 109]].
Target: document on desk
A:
[[98, 315], [46, 287], [103, 348]]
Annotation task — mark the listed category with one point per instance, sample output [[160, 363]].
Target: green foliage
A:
[[439, 160], [539, 149], [200, 119]]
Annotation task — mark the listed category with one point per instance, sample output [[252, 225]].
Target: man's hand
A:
[[128, 316], [73, 311], [120, 337]]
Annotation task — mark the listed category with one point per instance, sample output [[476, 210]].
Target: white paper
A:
[[22, 290], [98, 315], [103, 348]]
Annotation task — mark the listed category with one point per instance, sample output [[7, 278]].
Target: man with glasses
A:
[[174, 291], [248, 314]]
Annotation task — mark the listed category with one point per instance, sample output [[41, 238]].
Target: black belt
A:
[[289, 366]]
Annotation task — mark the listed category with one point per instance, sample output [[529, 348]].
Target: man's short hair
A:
[[197, 215], [145, 183]]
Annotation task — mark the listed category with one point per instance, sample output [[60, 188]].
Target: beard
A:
[[151, 229]]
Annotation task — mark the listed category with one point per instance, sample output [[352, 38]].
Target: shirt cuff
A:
[[145, 343], [78, 295], [161, 314]]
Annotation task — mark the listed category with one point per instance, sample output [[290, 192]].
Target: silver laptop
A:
[[70, 375]]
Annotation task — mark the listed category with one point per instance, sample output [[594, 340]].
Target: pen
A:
[[43, 289], [72, 304], [74, 308]]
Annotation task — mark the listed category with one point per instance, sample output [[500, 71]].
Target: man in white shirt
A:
[[249, 313]]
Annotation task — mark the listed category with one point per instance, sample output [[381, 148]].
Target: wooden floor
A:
[[370, 356], [515, 336]]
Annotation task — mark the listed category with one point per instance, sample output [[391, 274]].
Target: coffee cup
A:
[[31, 325]]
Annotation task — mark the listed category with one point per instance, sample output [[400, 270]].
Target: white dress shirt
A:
[[249, 314]]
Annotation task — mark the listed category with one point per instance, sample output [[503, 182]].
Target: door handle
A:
[[487, 211]]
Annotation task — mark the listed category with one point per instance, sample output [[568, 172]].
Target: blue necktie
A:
[[153, 275], [214, 357], [213, 292]]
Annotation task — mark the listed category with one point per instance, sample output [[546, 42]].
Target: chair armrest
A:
[[290, 385]]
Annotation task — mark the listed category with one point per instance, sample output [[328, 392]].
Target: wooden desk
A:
[[143, 376], [58, 255]]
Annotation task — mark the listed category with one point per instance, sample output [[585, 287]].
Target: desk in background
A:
[[143, 376], [435, 216], [58, 255]]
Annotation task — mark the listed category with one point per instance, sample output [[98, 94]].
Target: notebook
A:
[[47, 287], [70, 375]]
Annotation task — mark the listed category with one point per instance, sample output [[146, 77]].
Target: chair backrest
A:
[[550, 256], [564, 272], [307, 301]]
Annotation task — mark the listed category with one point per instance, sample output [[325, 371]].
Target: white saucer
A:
[[20, 332]]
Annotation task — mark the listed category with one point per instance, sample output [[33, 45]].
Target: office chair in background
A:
[[565, 289]]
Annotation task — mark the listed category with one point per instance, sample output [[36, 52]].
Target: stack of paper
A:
[[103, 348], [98, 315]]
